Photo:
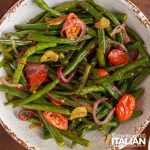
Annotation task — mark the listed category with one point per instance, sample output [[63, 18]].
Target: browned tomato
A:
[[102, 72], [73, 27], [118, 57], [125, 107], [57, 120], [35, 74]]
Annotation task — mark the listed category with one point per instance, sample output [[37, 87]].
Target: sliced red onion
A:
[[57, 21], [33, 69], [118, 90], [24, 88], [24, 49], [94, 112], [134, 55], [88, 106], [118, 44], [54, 98], [5, 81], [61, 76], [121, 28], [25, 114], [73, 22]]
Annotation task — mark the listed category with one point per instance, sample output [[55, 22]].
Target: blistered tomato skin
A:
[[118, 57], [102, 72], [37, 79], [125, 107], [57, 120]]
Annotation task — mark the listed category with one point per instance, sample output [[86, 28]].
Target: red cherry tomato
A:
[[125, 107], [57, 120], [37, 79], [102, 72], [118, 57], [72, 28]]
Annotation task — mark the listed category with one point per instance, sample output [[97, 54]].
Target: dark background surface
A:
[[6, 142]]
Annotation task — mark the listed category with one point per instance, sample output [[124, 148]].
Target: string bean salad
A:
[[74, 68]]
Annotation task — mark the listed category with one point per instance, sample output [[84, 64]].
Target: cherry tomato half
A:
[[125, 107], [102, 72], [118, 57], [37, 79], [72, 27], [57, 120]]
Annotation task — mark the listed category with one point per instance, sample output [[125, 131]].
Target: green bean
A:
[[48, 19], [17, 42], [103, 113], [42, 38], [121, 17], [34, 58], [75, 10], [37, 17], [112, 129], [75, 138], [23, 80], [91, 31], [88, 20], [85, 76], [136, 114], [114, 68], [44, 6], [138, 93], [66, 6], [9, 69], [65, 48], [34, 120], [134, 35], [43, 18], [85, 120], [124, 87], [109, 124], [21, 34], [3, 62], [28, 53], [8, 56], [9, 97], [66, 100], [81, 133], [65, 61], [37, 27], [140, 47], [53, 131], [90, 89], [13, 91], [118, 75], [139, 79], [69, 69], [101, 33], [46, 135], [86, 6], [81, 127], [63, 93], [8, 49], [110, 16], [111, 90], [73, 125], [101, 48], [47, 107]]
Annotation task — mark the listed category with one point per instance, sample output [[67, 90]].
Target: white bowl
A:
[[24, 10]]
